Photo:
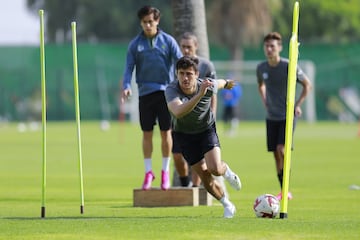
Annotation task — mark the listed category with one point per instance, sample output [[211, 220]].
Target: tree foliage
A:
[[233, 22], [106, 20], [330, 21]]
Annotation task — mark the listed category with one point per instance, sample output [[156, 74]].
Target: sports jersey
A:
[[201, 117], [153, 60], [275, 79]]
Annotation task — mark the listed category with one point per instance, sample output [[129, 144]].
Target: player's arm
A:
[[261, 85], [213, 104], [226, 83], [262, 92], [129, 68], [306, 88], [211, 73], [180, 109]]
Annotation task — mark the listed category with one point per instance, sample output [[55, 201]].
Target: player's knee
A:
[[280, 148], [216, 170]]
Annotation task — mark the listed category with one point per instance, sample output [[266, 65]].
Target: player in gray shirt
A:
[[188, 100], [272, 76], [189, 44]]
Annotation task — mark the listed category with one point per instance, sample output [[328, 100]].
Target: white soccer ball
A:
[[266, 206]]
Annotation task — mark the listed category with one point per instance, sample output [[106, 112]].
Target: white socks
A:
[[166, 164], [148, 165], [225, 201]]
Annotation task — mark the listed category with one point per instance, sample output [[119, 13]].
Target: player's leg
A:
[[164, 119], [196, 180], [180, 164], [212, 155], [214, 188], [209, 182], [147, 144], [217, 167], [166, 143], [147, 122], [279, 153], [147, 147], [272, 139]]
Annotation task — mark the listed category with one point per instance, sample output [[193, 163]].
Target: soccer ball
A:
[[266, 206]]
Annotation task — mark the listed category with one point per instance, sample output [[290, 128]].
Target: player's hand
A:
[[204, 86], [125, 95], [298, 111], [229, 84]]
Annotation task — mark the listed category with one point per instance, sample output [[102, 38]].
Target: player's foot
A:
[[149, 177], [234, 181], [279, 196], [165, 180], [229, 211]]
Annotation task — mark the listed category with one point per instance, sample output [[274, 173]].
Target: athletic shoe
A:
[[149, 177], [229, 211], [165, 180], [234, 181], [279, 196]]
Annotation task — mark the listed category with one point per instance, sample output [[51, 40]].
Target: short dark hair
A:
[[187, 62], [147, 10], [273, 36], [189, 36]]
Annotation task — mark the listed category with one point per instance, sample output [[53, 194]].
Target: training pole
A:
[[77, 113], [293, 59], [43, 108]]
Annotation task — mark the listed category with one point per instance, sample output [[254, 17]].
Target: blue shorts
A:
[[275, 132], [194, 146], [152, 108]]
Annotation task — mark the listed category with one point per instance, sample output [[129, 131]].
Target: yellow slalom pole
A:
[[291, 91], [43, 108], [77, 113]]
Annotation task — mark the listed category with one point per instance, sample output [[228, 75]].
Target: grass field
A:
[[325, 162]]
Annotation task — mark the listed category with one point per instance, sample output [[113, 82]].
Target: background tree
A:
[[234, 23], [239, 23], [327, 21], [59, 15], [106, 20], [189, 16]]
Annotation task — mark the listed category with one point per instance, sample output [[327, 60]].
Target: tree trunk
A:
[[189, 16]]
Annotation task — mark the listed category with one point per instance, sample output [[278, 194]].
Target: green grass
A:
[[325, 163]]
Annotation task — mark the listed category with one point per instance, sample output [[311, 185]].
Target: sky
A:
[[18, 26]]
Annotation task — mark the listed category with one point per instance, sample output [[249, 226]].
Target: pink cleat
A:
[[279, 196], [165, 181], [149, 177]]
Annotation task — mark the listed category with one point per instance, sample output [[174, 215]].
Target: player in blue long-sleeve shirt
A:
[[153, 54]]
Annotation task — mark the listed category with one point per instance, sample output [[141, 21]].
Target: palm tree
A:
[[189, 16], [236, 23]]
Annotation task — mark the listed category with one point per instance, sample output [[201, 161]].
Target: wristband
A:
[[227, 83]]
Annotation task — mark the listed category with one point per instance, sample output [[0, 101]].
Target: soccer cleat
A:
[[165, 180], [149, 177], [229, 211], [279, 196], [234, 181]]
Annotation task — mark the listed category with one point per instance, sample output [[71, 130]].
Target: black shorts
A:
[[194, 146], [229, 113], [176, 145], [275, 132], [152, 108]]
